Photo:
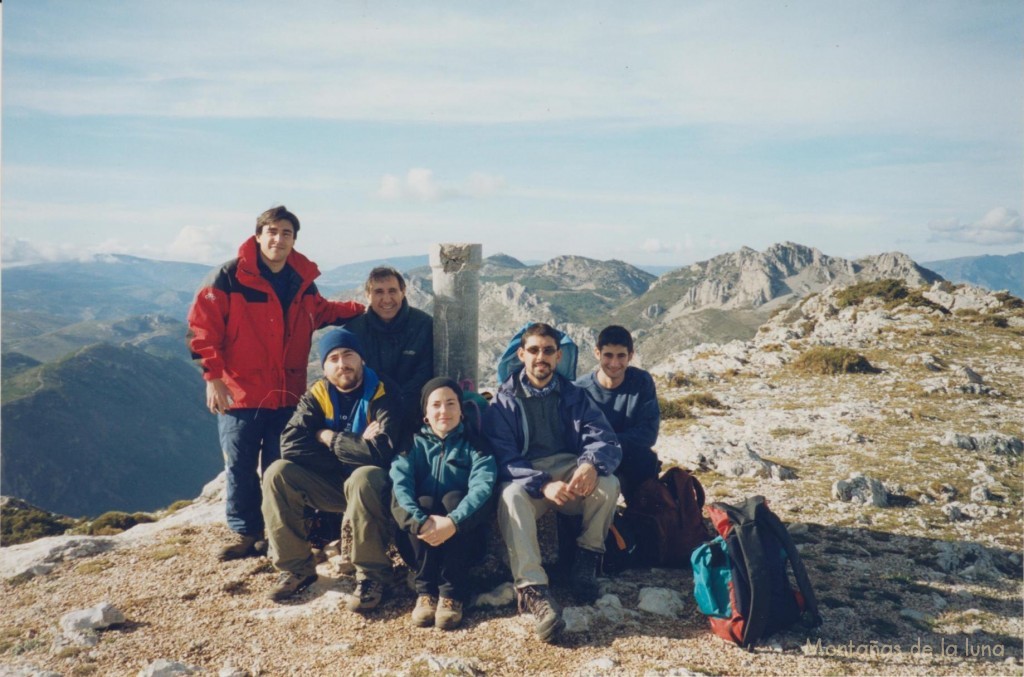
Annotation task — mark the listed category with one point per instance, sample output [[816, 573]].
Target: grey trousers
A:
[[518, 513], [288, 488]]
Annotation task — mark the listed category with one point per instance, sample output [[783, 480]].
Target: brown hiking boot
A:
[[536, 600], [423, 614], [239, 546], [289, 584], [449, 613]]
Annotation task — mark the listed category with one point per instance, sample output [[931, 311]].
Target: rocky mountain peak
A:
[[896, 265], [504, 261], [579, 272]]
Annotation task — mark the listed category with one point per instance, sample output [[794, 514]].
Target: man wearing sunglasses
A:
[[555, 450]]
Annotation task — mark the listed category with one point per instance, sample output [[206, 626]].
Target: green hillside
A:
[[107, 428]]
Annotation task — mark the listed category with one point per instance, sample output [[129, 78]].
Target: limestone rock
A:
[[861, 489], [988, 442], [502, 595], [602, 664], [577, 618], [101, 616], [731, 459], [39, 557], [165, 668], [661, 601]]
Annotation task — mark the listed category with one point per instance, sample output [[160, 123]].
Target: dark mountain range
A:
[[105, 288], [353, 275], [159, 335], [992, 272], [107, 428]]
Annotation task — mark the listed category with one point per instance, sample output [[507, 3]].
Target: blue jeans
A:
[[250, 440]]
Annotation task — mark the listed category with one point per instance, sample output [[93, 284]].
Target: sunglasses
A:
[[547, 350]]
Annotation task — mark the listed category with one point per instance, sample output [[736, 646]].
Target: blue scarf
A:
[[358, 422], [530, 391]]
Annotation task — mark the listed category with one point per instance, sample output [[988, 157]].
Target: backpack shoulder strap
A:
[[803, 581]]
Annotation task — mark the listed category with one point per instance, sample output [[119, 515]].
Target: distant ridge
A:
[[353, 275], [989, 271]]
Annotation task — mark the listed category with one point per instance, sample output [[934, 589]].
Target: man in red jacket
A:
[[250, 329]]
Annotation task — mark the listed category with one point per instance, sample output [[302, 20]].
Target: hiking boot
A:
[[238, 547], [449, 613], [423, 614], [288, 585], [366, 596], [536, 600], [584, 576]]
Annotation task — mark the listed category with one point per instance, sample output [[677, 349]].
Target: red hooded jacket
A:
[[236, 331]]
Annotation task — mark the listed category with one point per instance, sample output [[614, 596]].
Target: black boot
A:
[[584, 576]]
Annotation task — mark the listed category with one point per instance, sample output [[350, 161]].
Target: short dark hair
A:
[[382, 273], [614, 335], [275, 214], [540, 329]]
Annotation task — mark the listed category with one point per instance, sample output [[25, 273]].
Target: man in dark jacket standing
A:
[[250, 329], [398, 339], [555, 450], [335, 455]]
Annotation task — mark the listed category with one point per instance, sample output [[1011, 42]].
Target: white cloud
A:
[[17, 251], [203, 244], [419, 185], [1000, 226], [655, 246], [195, 244]]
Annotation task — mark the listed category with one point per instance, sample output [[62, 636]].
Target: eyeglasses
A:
[[547, 350]]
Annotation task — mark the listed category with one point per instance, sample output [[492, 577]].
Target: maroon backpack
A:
[[666, 517]]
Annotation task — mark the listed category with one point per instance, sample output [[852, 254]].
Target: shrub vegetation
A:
[[831, 360], [28, 523], [673, 409], [706, 400], [888, 290], [114, 522]]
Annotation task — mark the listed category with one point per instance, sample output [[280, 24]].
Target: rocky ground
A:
[[902, 488]]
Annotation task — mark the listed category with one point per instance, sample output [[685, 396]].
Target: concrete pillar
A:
[[456, 269]]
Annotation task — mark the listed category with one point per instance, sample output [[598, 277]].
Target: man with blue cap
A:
[[335, 455]]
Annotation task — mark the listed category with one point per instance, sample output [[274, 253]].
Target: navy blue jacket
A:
[[631, 409], [585, 431]]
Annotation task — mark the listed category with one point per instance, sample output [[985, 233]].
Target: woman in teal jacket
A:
[[442, 492]]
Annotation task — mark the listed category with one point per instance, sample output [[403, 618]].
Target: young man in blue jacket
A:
[[628, 399], [555, 450]]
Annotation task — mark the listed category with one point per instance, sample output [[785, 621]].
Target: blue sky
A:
[[661, 133]]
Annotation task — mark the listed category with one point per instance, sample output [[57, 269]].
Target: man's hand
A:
[[584, 480], [325, 436], [557, 492], [436, 530], [372, 430], [218, 399]]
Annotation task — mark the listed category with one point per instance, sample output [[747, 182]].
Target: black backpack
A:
[[741, 581]]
